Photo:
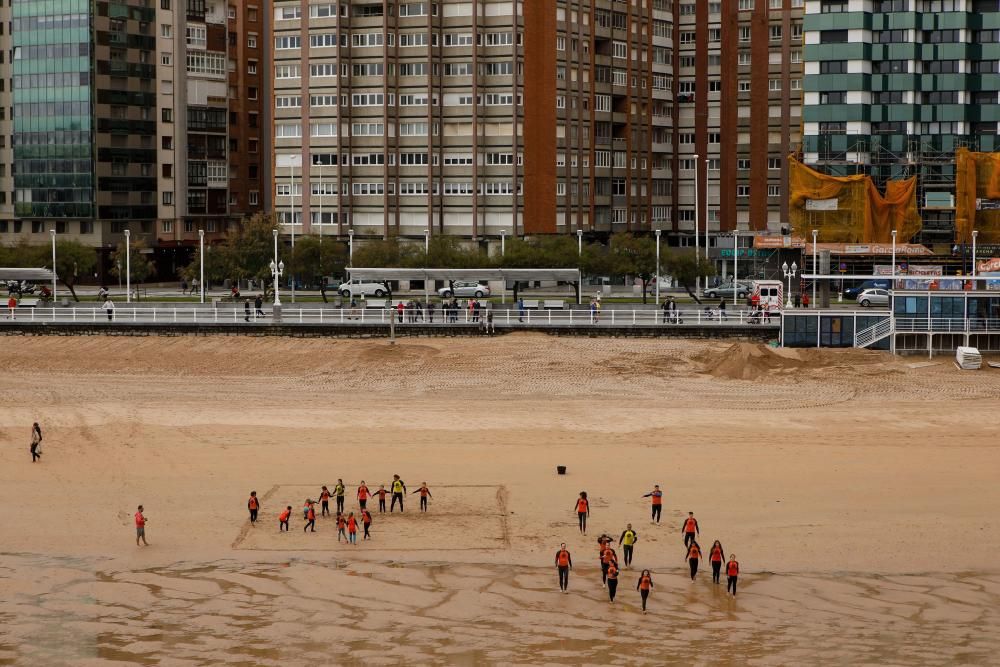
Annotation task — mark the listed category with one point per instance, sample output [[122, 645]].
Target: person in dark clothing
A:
[[690, 529], [564, 563], [254, 506], [722, 308], [36, 442], [398, 492], [627, 542], [246, 310], [258, 304]]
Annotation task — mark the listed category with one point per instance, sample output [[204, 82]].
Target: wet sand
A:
[[858, 492]]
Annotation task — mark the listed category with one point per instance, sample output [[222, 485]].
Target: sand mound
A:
[[749, 361]]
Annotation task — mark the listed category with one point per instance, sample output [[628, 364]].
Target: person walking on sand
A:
[[310, 518], [693, 556], [36, 442], [657, 503], [324, 499], [140, 528], [381, 493], [716, 556], [582, 511], [608, 556], [733, 573], [339, 491], [305, 508], [644, 585], [363, 495], [627, 542], [612, 581], [283, 519], [366, 521], [564, 563], [690, 529], [341, 525], [425, 493], [253, 505], [352, 529], [109, 306], [398, 491]]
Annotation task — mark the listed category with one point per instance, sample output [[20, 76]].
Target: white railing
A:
[[876, 332], [409, 317], [946, 325]]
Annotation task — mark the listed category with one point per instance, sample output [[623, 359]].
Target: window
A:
[[834, 127], [832, 97], [833, 67], [166, 30], [167, 142], [743, 164], [688, 37], [950, 97], [833, 36], [367, 129], [745, 33], [458, 39], [287, 71], [366, 39], [288, 42], [890, 5], [891, 67], [744, 58], [774, 191], [886, 97], [745, 5], [742, 191], [774, 163], [774, 84], [196, 36], [833, 7], [166, 59], [287, 130], [168, 198], [167, 115], [743, 86], [775, 33]]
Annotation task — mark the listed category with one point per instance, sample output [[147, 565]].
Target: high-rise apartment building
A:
[[894, 87], [6, 123], [122, 120], [471, 117]]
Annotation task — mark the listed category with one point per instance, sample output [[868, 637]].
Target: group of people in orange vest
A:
[[347, 522], [610, 569]]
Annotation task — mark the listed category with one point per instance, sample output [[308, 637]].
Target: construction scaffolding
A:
[[977, 195]]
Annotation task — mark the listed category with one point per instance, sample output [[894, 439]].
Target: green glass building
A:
[[893, 87]]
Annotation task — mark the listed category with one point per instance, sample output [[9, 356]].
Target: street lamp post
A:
[[697, 217], [427, 243], [53, 232], [789, 274], [975, 233], [503, 242], [201, 255], [579, 242], [892, 284], [128, 266], [350, 247], [706, 216], [736, 266], [813, 301], [277, 269], [657, 267]]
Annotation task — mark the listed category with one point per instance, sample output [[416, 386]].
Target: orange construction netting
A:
[[977, 176], [862, 214]]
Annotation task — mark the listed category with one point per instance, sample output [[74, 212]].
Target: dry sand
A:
[[858, 492]]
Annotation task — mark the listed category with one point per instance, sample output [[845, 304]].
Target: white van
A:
[[769, 292], [358, 287]]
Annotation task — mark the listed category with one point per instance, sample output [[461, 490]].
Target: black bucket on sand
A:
[[561, 470]]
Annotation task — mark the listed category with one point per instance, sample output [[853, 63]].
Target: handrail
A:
[[874, 333]]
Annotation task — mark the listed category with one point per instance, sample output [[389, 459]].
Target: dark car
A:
[[853, 292]]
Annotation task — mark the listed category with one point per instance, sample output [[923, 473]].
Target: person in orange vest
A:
[[716, 556], [253, 505], [425, 493], [324, 499], [690, 529], [341, 525], [644, 586], [310, 518], [366, 521], [608, 558], [582, 511], [612, 580], [657, 502], [352, 529], [140, 527], [283, 519], [733, 572], [381, 498], [564, 563], [693, 555], [363, 495]]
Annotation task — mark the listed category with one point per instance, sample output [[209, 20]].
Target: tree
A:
[[73, 259], [23, 255], [447, 252], [383, 253], [141, 266], [635, 256], [686, 266], [315, 259], [246, 252]]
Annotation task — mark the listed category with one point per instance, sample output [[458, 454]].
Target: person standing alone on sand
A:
[[398, 490], [425, 493], [310, 518], [381, 498], [283, 519], [36, 442], [582, 511], [339, 492], [627, 540], [644, 586], [253, 505], [693, 555], [733, 572], [363, 495], [140, 528], [564, 563], [366, 521], [657, 503], [716, 556], [690, 529]]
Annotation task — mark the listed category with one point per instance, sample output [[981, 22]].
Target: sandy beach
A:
[[858, 491]]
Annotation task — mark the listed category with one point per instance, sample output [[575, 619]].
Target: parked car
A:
[[878, 283], [359, 287], [464, 288], [743, 290], [873, 297]]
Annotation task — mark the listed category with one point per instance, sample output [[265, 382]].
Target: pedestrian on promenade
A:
[[283, 519], [693, 556], [140, 528], [194, 285], [258, 304], [324, 499], [366, 521], [253, 505], [657, 503], [733, 572], [36, 442], [490, 329], [644, 585], [339, 491], [425, 493], [398, 491], [690, 529], [310, 518], [246, 309], [109, 306], [722, 308], [352, 529], [520, 309], [665, 307], [564, 563], [363, 495], [381, 493], [627, 542], [582, 511], [12, 306], [716, 556]]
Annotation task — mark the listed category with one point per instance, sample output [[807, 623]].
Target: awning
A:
[[31, 275]]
